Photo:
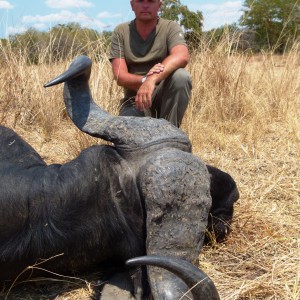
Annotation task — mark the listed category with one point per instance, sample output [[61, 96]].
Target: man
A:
[[148, 57]]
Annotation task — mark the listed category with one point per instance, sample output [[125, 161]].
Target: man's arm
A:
[[123, 77], [178, 58]]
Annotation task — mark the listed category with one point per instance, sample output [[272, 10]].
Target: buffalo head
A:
[[173, 184]]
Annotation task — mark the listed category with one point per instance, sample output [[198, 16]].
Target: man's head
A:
[[146, 10]]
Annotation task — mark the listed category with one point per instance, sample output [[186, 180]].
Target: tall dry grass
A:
[[243, 118]]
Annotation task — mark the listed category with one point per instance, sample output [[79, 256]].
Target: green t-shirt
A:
[[140, 55]]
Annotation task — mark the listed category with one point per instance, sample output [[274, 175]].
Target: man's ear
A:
[[131, 4], [160, 4]]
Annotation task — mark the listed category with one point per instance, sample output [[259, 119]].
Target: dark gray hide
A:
[[146, 194]]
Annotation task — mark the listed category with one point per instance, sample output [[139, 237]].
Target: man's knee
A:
[[181, 86], [181, 78]]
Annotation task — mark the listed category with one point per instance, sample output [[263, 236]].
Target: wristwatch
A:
[[144, 78]]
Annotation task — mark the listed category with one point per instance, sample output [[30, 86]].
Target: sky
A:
[[16, 16]]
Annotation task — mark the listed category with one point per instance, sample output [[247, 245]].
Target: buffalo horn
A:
[[127, 133], [200, 284]]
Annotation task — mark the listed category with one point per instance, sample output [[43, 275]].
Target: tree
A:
[[29, 44], [62, 41], [71, 39], [275, 22], [174, 10]]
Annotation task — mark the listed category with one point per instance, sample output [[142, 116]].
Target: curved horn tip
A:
[[78, 65], [184, 270], [53, 82], [48, 84]]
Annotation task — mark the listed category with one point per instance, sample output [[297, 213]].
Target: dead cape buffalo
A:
[[145, 194]]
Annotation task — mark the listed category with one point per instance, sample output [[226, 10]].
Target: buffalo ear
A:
[[224, 194]]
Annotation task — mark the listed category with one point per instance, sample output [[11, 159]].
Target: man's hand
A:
[[156, 69], [143, 98]]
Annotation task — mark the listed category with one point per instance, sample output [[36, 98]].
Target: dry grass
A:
[[243, 118]]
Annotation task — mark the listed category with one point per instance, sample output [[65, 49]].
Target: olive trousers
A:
[[169, 100]]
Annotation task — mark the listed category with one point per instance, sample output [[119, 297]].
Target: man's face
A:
[[146, 10]]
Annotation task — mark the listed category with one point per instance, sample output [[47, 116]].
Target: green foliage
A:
[[62, 41], [217, 35], [228, 39], [174, 10], [70, 39], [3, 42], [275, 22], [29, 44], [192, 22]]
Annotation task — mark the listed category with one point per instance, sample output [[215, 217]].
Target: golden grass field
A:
[[244, 118]]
